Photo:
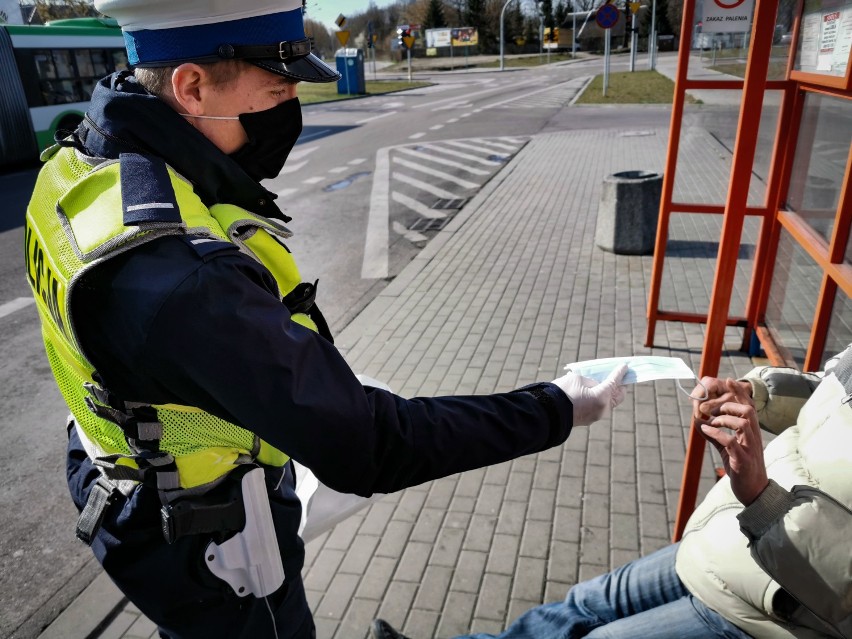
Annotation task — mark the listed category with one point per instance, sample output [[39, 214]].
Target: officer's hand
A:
[[591, 399], [719, 392], [742, 448]]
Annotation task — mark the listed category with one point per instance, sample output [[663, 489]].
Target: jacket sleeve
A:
[[780, 526], [222, 341], [779, 393]]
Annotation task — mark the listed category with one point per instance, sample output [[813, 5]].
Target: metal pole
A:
[[574, 30], [409, 65], [652, 45], [540, 38], [502, 43], [606, 61], [451, 53], [633, 44]]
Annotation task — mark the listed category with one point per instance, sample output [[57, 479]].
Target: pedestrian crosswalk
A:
[[419, 187], [553, 98]]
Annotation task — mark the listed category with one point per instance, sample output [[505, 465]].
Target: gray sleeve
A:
[[779, 394], [801, 539]]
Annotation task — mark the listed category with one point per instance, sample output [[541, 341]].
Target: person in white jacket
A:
[[767, 554]]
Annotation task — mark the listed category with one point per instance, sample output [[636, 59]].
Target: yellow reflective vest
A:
[[75, 221]]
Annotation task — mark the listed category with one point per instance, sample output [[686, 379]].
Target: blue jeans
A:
[[644, 598]]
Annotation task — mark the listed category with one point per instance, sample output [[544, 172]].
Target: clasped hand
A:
[[729, 406]]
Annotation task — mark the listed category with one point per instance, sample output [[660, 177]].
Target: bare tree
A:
[[47, 10]]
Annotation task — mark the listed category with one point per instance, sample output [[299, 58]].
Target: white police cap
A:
[[267, 33]]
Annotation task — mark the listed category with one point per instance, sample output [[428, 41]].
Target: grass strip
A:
[[312, 92], [639, 87]]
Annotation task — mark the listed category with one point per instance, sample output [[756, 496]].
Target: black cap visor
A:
[[308, 68]]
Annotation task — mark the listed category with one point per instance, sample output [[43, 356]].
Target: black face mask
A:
[[271, 136]]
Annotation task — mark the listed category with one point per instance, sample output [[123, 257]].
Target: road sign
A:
[[343, 37], [340, 21], [634, 7], [607, 16], [409, 41]]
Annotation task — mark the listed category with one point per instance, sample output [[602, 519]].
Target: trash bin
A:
[[350, 65], [627, 215]]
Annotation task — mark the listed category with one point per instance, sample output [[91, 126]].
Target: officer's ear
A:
[[189, 84]]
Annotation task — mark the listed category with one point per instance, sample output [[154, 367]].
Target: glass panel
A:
[[62, 60], [819, 165], [793, 296], [100, 63], [690, 263], [705, 154], [839, 334], [44, 65], [825, 36], [84, 63], [723, 56], [61, 91]]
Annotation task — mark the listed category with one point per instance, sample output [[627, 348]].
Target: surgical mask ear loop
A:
[[697, 399]]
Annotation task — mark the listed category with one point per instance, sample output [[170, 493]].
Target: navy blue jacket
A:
[[165, 323]]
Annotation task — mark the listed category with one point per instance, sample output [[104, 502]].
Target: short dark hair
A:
[[158, 80]]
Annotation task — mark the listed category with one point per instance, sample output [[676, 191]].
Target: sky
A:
[[326, 11]]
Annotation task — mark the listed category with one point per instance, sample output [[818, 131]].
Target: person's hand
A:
[[718, 393], [742, 449], [591, 399]]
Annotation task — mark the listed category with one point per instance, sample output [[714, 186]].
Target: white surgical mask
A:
[[640, 368]]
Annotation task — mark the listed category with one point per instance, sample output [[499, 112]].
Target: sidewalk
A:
[[508, 293]]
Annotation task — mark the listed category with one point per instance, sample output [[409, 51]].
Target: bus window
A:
[[119, 60], [62, 60], [44, 64], [100, 63], [84, 63]]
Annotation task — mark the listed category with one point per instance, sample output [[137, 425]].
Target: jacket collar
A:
[[124, 118]]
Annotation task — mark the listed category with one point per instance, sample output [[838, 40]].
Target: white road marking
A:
[[417, 207], [314, 180], [286, 192], [524, 96], [338, 169], [314, 134], [411, 236], [465, 115], [298, 153], [452, 120], [436, 127], [424, 186], [15, 305], [357, 161], [465, 184], [415, 136], [469, 95], [459, 154], [292, 168], [375, 264], [468, 147], [375, 117], [495, 145], [443, 161]]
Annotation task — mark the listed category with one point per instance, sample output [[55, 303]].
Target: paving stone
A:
[[413, 562], [433, 589], [337, 596], [446, 549], [469, 571], [457, 616], [529, 579], [356, 622], [493, 598]]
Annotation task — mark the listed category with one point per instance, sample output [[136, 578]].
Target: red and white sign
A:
[[727, 16]]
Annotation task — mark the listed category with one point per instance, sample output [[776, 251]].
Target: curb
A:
[[89, 613]]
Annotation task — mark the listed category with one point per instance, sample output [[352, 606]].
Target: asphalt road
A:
[[370, 182]]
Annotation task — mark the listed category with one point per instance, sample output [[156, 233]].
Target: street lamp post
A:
[[502, 39]]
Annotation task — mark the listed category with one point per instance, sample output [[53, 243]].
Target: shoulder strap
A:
[[147, 194]]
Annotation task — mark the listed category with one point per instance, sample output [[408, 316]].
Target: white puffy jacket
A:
[[782, 567]]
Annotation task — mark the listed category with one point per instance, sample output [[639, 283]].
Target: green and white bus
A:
[[47, 74]]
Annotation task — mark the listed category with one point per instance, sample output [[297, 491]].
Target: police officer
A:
[[193, 358]]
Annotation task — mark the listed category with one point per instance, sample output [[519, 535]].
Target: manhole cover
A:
[[455, 203]]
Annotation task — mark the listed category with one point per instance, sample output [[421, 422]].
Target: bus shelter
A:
[[782, 203]]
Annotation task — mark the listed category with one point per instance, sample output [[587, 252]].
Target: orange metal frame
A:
[[828, 256]]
